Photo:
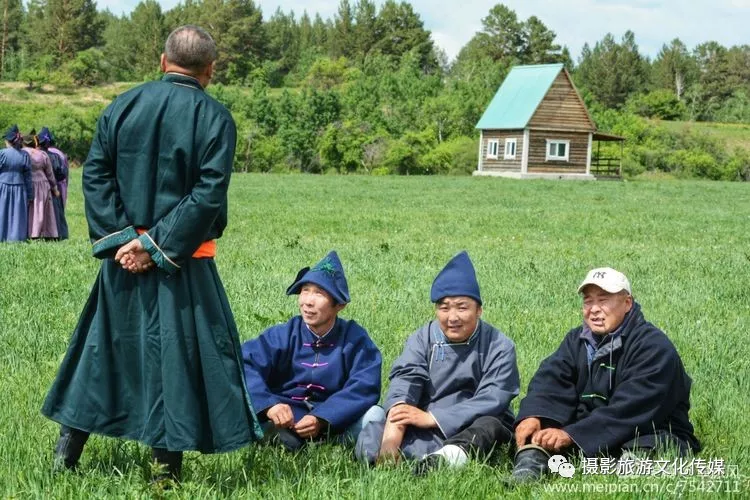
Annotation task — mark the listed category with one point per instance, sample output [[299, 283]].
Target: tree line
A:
[[367, 90]]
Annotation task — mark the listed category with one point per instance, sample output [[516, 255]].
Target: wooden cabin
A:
[[537, 126]]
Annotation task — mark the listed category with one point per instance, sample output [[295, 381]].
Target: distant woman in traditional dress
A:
[[41, 211], [60, 170], [15, 188], [61, 174]]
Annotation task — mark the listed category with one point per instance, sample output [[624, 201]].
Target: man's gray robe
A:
[[455, 382]]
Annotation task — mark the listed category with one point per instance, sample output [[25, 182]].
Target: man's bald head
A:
[[190, 47]]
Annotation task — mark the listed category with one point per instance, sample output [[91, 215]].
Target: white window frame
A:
[[490, 143], [549, 157], [512, 144]]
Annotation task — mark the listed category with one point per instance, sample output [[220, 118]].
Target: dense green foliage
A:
[[684, 246], [368, 91], [274, 135], [684, 152]]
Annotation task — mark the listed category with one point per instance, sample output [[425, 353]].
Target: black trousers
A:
[[481, 437], [650, 444]]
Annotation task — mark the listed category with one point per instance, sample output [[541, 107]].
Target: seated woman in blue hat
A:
[[450, 390], [316, 376]]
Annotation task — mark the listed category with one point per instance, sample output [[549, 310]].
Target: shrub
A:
[[326, 73], [62, 80], [404, 156], [736, 109], [737, 167], [692, 163], [660, 103], [33, 77], [267, 154], [457, 156], [89, 67], [73, 126], [631, 167]]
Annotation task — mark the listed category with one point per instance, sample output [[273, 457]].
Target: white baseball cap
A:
[[607, 279]]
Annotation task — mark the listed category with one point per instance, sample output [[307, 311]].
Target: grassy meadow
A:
[[734, 135], [684, 245]]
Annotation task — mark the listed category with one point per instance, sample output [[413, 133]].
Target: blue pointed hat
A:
[[45, 136], [456, 279], [12, 133], [328, 274]]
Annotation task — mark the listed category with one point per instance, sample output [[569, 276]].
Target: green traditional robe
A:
[[156, 356]]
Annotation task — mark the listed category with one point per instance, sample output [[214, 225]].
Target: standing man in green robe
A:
[[156, 355]]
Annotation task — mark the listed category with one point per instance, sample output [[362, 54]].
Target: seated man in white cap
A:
[[317, 375], [451, 388], [615, 384]]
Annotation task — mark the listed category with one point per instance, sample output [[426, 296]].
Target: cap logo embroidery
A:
[[325, 266], [600, 275]]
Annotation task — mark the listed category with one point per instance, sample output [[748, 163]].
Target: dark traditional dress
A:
[[156, 356], [61, 174], [458, 383], [335, 377], [15, 191], [630, 391], [60, 171]]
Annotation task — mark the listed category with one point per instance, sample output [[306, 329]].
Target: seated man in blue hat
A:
[[451, 388], [318, 375], [616, 384]]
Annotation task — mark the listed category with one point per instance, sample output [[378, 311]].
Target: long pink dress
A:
[[41, 212]]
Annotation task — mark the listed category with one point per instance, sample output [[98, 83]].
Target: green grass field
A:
[[18, 93], [734, 135], [684, 245]]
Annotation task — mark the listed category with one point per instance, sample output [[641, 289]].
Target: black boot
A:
[[530, 464], [170, 461], [68, 448]]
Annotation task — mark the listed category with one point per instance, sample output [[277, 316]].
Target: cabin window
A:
[[558, 149], [510, 149], [492, 147]]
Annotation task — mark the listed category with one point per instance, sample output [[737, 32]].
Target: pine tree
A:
[[149, 32], [343, 31], [237, 28], [306, 40], [674, 68], [400, 30], [501, 36], [10, 38], [117, 36], [611, 71], [319, 33], [282, 34], [365, 17], [538, 43], [70, 26]]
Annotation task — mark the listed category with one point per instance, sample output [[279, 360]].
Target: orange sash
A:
[[206, 250]]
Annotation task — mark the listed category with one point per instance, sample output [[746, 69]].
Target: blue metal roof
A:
[[519, 96]]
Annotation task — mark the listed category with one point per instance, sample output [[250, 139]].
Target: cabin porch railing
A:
[[606, 167]]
